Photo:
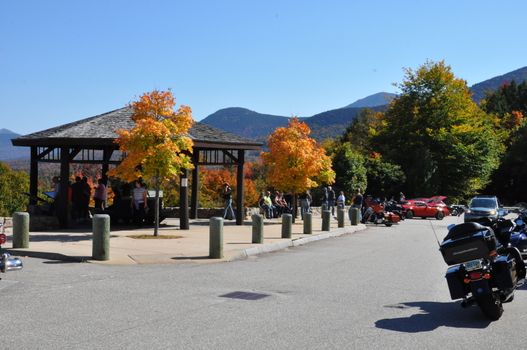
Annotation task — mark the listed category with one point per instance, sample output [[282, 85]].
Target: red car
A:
[[433, 207]]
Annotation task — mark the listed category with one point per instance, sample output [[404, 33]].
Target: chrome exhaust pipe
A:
[[7, 263]]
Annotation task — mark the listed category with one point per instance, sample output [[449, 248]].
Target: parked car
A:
[[484, 207], [428, 209]]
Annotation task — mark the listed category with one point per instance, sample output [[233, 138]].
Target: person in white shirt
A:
[[139, 203]]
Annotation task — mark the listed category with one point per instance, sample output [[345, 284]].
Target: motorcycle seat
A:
[[464, 230]]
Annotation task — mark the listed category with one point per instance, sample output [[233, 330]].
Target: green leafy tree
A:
[[509, 97], [443, 141], [508, 181], [362, 130], [13, 185], [509, 105], [350, 172], [384, 178]]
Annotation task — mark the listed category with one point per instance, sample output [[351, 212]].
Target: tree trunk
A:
[[156, 210], [295, 208]]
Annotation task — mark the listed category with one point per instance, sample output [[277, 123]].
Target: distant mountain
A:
[[333, 123], [257, 126], [244, 122], [9, 152], [493, 84], [375, 100]]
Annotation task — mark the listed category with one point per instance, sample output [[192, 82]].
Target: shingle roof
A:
[[102, 130]]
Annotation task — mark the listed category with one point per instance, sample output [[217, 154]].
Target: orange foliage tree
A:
[[157, 148], [295, 162]]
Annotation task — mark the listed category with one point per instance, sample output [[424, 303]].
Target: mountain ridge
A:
[[8, 152]]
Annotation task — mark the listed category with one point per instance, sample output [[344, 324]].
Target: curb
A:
[[268, 248]]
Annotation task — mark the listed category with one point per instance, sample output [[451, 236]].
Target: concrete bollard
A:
[[354, 216], [341, 213], [326, 220], [216, 238], [287, 225], [101, 237], [308, 223], [20, 230], [258, 228]]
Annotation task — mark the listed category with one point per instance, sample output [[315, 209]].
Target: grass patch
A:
[[151, 236]]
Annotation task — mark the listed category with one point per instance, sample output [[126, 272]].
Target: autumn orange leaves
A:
[[295, 162], [157, 147]]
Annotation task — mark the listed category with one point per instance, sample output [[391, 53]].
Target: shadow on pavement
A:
[[62, 238], [55, 257], [431, 315]]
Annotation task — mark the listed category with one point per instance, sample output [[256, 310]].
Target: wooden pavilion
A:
[[91, 141]]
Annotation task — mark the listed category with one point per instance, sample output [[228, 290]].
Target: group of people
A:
[[273, 205], [329, 201], [80, 195]]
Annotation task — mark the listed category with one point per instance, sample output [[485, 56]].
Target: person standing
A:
[[100, 195], [324, 203], [305, 203], [139, 203], [228, 212], [341, 200], [331, 200], [357, 204]]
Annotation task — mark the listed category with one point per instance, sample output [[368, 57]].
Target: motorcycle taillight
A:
[[2, 238], [475, 275]]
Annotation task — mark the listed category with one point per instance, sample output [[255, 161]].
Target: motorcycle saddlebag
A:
[[504, 272], [476, 245], [455, 282]]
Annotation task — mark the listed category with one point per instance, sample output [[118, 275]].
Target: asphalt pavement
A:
[[380, 288]]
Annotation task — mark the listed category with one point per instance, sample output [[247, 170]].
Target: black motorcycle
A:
[[7, 262], [456, 209], [484, 268]]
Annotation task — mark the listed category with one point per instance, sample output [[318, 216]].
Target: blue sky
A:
[[61, 61]]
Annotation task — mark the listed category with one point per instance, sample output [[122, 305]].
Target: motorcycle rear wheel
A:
[[490, 306]]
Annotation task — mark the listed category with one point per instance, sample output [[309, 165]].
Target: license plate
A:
[[473, 265]]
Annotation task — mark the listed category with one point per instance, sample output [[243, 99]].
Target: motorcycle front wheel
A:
[[490, 306]]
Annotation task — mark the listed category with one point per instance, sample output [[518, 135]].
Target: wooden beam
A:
[[194, 196], [63, 212], [33, 176], [183, 201], [240, 188]]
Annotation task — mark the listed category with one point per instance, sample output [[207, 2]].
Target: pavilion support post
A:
[[183, 201], [194, 200], [33, 177], [63, 208], [107, 154], [240, 209]]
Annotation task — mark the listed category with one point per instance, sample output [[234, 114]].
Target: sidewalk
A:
[[193, 246]]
